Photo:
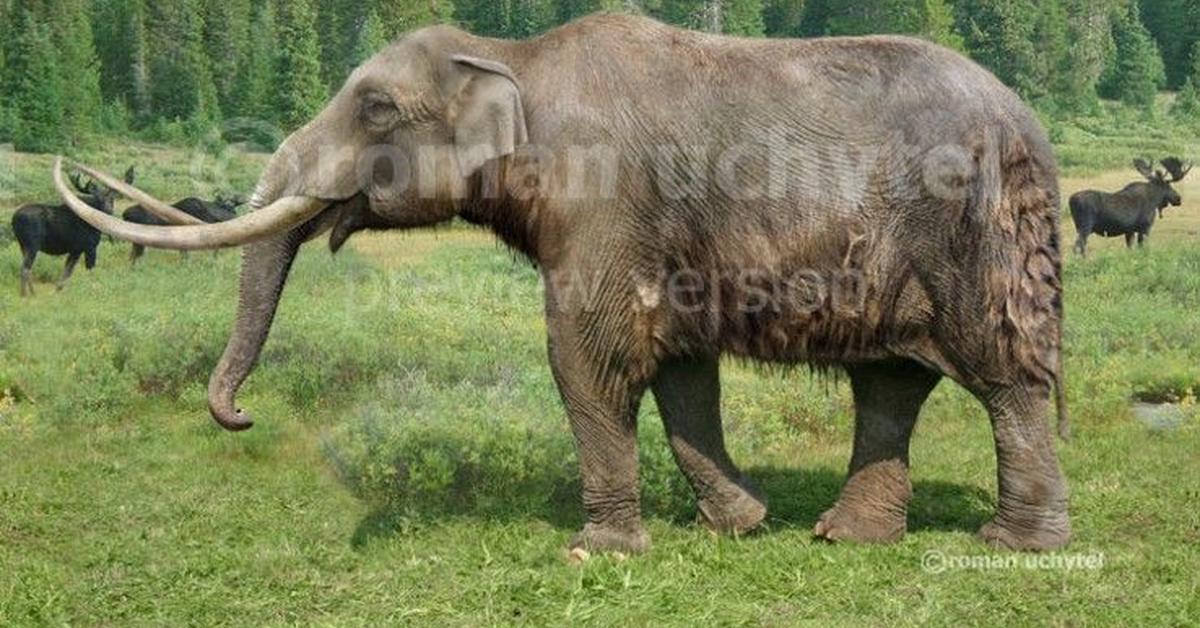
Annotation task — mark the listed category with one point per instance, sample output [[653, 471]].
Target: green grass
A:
[[1113, 135], [412, 463]]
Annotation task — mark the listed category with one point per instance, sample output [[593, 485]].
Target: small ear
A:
[[489, 120], [1144, 168], [129, 176]]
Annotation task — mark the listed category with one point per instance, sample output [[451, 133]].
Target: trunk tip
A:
[[235, 421]]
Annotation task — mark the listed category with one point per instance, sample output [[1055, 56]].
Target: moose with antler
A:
[[221, 209], [55, 230], [1132, 211]]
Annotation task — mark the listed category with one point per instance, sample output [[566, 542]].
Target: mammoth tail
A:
[[1060, 400], [1017, 210]]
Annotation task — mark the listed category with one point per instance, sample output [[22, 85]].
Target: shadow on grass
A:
[[796, 498]]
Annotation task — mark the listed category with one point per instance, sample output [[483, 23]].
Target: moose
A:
[[1132, 211], [221, 209], [56, 230]]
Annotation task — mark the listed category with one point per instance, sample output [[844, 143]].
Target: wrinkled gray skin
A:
[[1132, 211], [961, 284]]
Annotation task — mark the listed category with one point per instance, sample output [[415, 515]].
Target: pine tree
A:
[[35, 83], [120, 28], [484, 17], [937, 24], [369, 39], [571, 9], [931, 19], [1089, 29], [1024, 42], [1175, 25], [783, 18], [530, 17], [336, 31], [226, 38], [743, 17], [300, 91], [5, 124], [738, 17], [71, 27], [256, 72], [401, 16], [1137, 71], [181, 82], [1188, 102]]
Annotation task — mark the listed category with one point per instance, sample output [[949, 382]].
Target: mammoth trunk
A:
[[265, 267]]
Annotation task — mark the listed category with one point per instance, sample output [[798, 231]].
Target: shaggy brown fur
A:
[[878, 203]]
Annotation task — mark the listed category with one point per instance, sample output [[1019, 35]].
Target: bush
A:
[[1137, 71], [422, 449], [114, 120]]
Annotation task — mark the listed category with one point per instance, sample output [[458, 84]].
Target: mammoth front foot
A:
[[739, 510], [598, 538], [1044, 536], [847, 523]]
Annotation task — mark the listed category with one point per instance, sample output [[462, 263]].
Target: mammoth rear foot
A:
[[1042, 537]]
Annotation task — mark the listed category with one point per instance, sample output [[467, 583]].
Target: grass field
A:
[[412, 464]]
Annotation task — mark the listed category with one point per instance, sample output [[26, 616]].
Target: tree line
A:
[[168, 69]]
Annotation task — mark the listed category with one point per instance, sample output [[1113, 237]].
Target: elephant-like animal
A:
[[880, 204]]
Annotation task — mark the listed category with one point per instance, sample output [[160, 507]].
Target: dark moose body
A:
[[1132, 211], [218, 210], [56, 230]]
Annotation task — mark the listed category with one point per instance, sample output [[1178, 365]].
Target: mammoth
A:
[[878, 204]]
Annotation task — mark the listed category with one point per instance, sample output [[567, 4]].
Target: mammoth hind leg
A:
[[1032, 510], [873, 506], [688, 392]]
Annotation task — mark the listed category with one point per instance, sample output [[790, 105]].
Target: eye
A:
[[379, 113]]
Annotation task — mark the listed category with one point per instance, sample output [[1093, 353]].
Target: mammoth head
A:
[[402, 137], [399, 145], [407, 131]]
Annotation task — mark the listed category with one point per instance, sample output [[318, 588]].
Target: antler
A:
[[1143, 166], [1176, 167], [77, 181]]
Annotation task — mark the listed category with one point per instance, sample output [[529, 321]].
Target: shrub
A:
[[422, 449]]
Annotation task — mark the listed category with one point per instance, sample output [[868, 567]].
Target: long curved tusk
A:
[[282, 215], [152, 205]]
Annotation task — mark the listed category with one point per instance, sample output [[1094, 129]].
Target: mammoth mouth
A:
[[186, 233]]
